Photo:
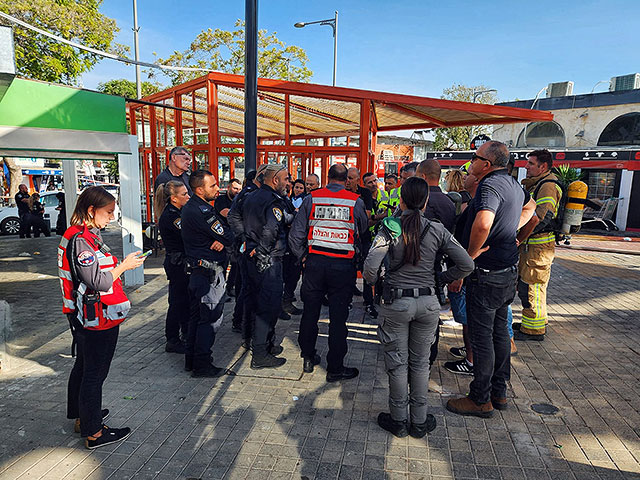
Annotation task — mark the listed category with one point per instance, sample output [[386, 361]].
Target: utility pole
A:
[[250, 85], [136, 48]]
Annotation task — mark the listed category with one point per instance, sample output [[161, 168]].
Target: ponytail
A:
[[163, 195], [414, 193]]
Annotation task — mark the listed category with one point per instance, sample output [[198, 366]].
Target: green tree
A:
[[42, 58], [223, 51], [127, 88], [459, 138]]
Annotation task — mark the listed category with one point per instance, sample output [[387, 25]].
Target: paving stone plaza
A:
[[285, 425]]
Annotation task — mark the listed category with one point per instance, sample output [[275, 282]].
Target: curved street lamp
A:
[[333, 23]]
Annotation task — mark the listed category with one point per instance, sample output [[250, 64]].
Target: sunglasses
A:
[[476, 156]]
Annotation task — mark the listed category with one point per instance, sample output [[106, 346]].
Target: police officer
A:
[[206, 242], [242, 321], [24, 212], [169, 199], [326, 231], [264, 217]]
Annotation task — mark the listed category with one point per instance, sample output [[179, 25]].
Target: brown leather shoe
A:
[[466, 406], [514, 349], [499, 403]]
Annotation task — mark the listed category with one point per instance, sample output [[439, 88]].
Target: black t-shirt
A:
[[367, 198], [23, 207], [365, 195], [501, 194], [222, 202], [166, 176], [441, 208]]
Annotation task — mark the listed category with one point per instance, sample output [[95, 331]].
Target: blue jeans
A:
[[510, 321], [488, 298], [459, 306]]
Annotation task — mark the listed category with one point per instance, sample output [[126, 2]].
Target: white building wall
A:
[[592, 121]]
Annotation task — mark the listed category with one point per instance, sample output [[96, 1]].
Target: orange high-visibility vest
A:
[[113, 306], [332, 223]]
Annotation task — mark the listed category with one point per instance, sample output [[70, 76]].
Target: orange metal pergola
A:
[[306, 126]]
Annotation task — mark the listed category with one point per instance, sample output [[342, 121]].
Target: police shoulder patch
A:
[[217, 227], [86, 258], [277, 213], [177, 223]]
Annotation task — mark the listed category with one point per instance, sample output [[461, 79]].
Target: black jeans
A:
[[333, 277], [265, 300], [488, 298], [291, 271], [94, 352], [177, 316]]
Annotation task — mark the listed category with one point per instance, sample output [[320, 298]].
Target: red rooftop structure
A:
[[307, 126]]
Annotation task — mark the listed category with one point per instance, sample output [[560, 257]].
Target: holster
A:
[[387, 294]]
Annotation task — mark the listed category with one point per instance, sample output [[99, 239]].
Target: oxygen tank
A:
[[573, 210]]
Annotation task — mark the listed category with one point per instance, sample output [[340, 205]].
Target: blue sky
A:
[[413, 47]]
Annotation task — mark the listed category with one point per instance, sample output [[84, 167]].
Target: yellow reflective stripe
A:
[[548, 238], [543, 200]]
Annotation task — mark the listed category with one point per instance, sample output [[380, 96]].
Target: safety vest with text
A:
[[332, 223], [111, 307]]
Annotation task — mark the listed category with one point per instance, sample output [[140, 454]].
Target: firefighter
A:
[[206, 243], [264, 218], [324, 234], [96, 305], [537, 245]]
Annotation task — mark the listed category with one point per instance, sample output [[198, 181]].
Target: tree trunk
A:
[[15, 175]]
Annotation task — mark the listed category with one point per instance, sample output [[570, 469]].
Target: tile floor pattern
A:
[[272, 426]]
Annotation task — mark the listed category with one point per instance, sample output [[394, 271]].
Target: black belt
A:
[[413, 292], [502, 270]]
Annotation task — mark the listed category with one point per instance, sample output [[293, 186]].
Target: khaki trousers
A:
[[534, 271]]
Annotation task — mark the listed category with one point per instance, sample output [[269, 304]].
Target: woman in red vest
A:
[[96, 305]]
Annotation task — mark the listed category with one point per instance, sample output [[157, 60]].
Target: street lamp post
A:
[[333, 23], [136, 29], [480, 92]]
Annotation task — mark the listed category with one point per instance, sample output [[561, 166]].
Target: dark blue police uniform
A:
[[264, 227], [234, 219], [169, 225], [201, 226]]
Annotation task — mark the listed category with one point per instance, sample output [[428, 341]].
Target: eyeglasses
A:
[[476, 156]]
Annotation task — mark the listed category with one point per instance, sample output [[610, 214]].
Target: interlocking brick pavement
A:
[[266, 427]]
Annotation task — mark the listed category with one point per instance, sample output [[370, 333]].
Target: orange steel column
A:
[[365, 117], [155, 161], [212, 122], [177, 101]]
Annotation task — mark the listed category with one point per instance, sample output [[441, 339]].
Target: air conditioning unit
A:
[[625, 82], [559, 89]]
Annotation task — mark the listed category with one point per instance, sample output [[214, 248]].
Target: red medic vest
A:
[[332, 224], [113, 305]]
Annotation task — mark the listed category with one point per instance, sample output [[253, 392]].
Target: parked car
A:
[[10, 222]]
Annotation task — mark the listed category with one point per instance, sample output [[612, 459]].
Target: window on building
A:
[[601, 185], [541, 134], [624, 130]]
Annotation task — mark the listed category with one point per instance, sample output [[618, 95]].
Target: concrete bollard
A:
[[5, 330]]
